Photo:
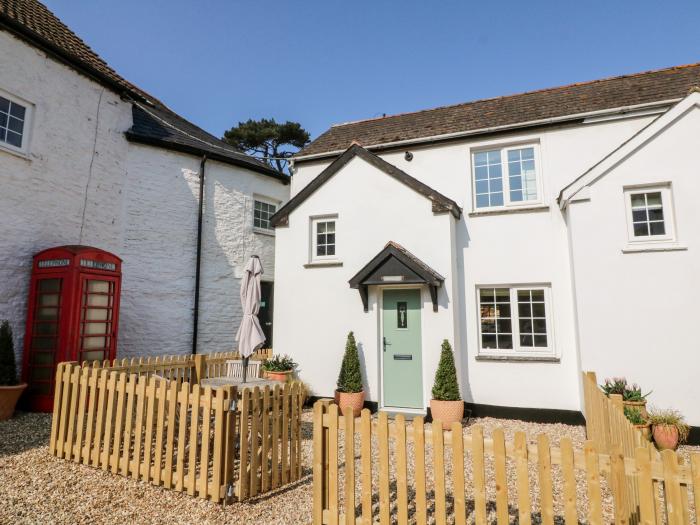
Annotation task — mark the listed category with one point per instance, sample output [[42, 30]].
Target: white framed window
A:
[[515, 321], [263, 209], [504, 177], [15, 115], [323, 238], [649, 212]]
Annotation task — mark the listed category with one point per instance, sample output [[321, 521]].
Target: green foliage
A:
[[8, 368], [619, 385], [350, 377], [634, 416], [269, 140], [672, 418], [446, 387], [279, 363]]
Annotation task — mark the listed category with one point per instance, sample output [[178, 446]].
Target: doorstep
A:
[[408, 413]]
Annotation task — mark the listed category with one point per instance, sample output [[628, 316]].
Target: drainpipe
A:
[[198, 265]]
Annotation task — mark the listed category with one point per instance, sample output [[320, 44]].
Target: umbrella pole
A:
[[245, 368]]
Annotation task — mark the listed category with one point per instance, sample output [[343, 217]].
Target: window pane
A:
[[321, 250], [488, 326], [502, 295], [488, 341], [4, 105], [505, 341], [654, 199], [641, 230], [524, 310], [482, 186], [497, 199], [532, 321], [657, 228], [638, 200], [14, 139], [17, 111], [655, 214], [516, 195], [639, 215], [541, 340], [482, 201], [15, 125], [330, 250], [321, 227], [480, 159], [526, 340], [486, 294]]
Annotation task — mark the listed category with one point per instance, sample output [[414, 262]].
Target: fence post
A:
[[320, 471], [200, 361]]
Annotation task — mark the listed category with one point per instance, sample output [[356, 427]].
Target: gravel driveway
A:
[[38, 488]]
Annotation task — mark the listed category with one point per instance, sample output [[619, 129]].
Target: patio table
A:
[[252, 382]]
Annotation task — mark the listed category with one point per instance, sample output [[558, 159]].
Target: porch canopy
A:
[[396, 265]]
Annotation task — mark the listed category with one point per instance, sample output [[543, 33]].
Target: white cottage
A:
[[88, 158], [542, 234]]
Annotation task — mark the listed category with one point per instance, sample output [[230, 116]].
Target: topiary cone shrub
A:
[[350, 394], [10, 389], [446, 405]]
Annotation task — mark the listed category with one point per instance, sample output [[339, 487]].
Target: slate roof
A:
[[154, 123], [617, 92], [440, 203]]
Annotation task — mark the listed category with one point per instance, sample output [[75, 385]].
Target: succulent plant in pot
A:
[[10, 387], [639, 420], [279, 368], [446, 405], [632, 396], [669, 428], [350, 394]]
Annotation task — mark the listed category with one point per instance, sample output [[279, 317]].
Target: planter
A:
[[665, 437], [8, 399], [637, 405], [284, 375], [447, 411], [645, 429], [352, 400]]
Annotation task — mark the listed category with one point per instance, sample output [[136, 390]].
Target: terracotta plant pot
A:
[[8, 399], [353, 400], [637, 405], [447, 411], [283, 376], [645, 429], [665, 437]]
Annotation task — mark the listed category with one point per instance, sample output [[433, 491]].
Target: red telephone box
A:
[[73, 315]]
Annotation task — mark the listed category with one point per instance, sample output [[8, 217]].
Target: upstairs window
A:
[[262, 211], [12, 123], [505, 177], [649, 214], [325, 238]]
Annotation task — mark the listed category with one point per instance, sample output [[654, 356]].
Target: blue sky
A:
[[217, 62]]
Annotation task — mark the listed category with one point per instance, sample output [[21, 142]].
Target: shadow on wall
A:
[[462, 242]]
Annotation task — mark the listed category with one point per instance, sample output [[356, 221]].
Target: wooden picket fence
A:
[[214, 443], [408, 472]]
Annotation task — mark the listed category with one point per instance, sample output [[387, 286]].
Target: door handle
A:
[[385, 343]]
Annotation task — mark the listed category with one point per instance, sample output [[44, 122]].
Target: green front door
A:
[[401, 355]]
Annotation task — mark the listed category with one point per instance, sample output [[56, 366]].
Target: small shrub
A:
[[619, 385], [634, 416], [350, 377], [672, 418], [8, 367], [446, 387], [279, 363]]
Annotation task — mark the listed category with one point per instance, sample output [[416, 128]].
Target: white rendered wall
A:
[[638, 311], [315, 308], [511, 248], [76, 162]]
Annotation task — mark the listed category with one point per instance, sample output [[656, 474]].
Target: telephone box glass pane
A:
[[96, 319], [97, 355], [98, 300], [98, 286], [44, 337]]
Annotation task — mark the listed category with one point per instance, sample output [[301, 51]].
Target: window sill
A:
[[660, 247], [20, 154], [519, 358], [263, 231], [323, 264], [503, 211]]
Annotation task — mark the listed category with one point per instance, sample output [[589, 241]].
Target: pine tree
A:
[[8, 368], [350, 377], [446, 387]]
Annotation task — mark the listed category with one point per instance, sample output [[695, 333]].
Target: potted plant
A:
[[350, 394], [10, 387], [279, 368], [632, 396], [669, 428], [639, 420], [446, 404]]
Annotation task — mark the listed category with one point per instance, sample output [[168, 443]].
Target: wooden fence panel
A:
[[141, 418], [554, 470]]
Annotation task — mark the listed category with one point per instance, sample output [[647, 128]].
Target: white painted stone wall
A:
[[505, 249], [141, 205], [76, 162], [638, 311]]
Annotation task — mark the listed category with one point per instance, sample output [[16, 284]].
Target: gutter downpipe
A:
[[198, 264]]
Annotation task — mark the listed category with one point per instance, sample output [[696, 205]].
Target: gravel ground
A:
[[38, 488]]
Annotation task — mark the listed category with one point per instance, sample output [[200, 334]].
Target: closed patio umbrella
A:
[[250, 336]]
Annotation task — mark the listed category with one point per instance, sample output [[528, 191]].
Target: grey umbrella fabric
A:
[[250, 335]]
